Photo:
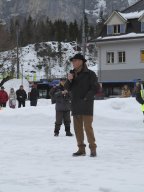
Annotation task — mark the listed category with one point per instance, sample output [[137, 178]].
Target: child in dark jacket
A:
[[62, 100]]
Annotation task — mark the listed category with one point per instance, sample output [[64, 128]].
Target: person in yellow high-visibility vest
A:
[[140, 95]]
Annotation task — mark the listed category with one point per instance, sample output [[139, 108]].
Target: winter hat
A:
[[78, 56]]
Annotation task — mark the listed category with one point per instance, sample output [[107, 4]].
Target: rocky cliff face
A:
[[57, 9]]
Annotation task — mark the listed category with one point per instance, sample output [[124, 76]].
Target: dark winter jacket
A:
[[21, 95], [62, 101], [34, 94], [3, 97], [83, 89], [139, 98]]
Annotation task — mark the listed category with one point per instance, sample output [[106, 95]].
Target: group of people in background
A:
[[20, 95]]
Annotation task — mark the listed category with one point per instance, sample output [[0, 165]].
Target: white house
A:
[[121, 46]]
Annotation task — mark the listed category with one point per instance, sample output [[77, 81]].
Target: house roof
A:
[[132, 15], [126, 36], [125, 39], [133, 26], [117, 13], [139, 6]]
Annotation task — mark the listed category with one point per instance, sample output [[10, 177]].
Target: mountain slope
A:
[[44, 60], [56, 9]]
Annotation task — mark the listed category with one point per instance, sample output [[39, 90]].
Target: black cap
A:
[[78, 56]]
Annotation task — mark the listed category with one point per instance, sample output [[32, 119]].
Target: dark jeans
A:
[[21, 103], [33, 103], [2, 104], [62, 117]]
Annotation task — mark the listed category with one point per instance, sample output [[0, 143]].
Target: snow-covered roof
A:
[[129, 35], [132, 15], [127, 16]]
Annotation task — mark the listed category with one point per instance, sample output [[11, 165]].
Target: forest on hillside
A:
[[30, 31]]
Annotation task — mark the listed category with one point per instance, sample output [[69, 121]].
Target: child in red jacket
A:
[[3, 97]]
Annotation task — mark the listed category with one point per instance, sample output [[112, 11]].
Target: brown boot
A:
[[79, 153], [93, 153]]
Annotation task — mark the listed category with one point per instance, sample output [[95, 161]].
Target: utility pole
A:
[[83, 30], [17, 50], [22, 74]]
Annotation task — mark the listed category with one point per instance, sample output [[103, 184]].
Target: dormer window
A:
[[142, 26], [116, 29]]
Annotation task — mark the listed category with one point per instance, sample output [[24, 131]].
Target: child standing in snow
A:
[[12, 99], [62, 100], [3, 97]]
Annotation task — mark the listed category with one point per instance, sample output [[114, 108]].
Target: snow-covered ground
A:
[[32, 160]]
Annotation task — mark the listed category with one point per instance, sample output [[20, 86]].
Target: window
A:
[[109, 29], [142, 56], [110, 57], [122, 28], [116, 29], [142, 26], [122, 57]]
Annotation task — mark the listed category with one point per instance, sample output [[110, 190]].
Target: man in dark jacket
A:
[[82, 83], [3, 97], [34, 96], [62, 99], [21, 96]]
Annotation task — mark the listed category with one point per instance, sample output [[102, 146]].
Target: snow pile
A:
[[16, 83], [119, 108], [32, 160]]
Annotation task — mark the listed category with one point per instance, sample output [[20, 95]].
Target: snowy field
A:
[[32, 160]]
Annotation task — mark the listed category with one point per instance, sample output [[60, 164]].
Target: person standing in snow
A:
[[140, 95], [21, 96], [126, 92], [3, 97], [62, 100], [83, 84], [34, 96], [12, 99]]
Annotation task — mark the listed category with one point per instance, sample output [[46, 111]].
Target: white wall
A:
[[132, 49]]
